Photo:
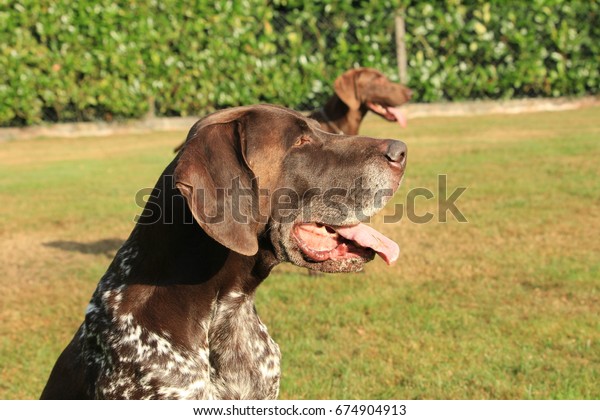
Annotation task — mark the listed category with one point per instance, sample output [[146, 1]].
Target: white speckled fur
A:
[[236, 358]]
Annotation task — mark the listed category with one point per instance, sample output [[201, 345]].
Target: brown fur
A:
[[354, 89]]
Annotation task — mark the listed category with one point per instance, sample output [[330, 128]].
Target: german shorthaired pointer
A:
[[174, 316], [357, 92]]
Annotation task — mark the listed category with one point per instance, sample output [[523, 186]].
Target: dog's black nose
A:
[[396, 152]]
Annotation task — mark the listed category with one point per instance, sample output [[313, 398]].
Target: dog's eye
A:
[[302, 140]]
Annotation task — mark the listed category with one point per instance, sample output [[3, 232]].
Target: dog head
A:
[[266, 174], [368, 88]]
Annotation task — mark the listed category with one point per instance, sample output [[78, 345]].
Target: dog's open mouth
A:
[[320, 243], [390, 113]]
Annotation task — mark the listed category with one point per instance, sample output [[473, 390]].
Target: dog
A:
[[173, 317], [357, 92]]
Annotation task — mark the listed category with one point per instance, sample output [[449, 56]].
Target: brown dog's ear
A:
[[210, 173], [345, 87]]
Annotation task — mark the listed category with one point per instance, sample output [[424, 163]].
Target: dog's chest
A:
[[244, 359], [234, 357]]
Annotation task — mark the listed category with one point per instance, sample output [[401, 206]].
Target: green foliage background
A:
[[65, 60]]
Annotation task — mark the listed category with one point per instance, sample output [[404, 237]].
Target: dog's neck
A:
[[170, 240], [340, 117]]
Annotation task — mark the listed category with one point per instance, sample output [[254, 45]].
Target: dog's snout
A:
[[409, 94], [396, 152]]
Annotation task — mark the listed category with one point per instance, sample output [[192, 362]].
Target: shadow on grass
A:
[[108, 247]]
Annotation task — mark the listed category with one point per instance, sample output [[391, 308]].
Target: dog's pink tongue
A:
[[367, 237], [398, 114]]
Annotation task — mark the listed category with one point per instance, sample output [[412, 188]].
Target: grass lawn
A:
[[504, 306]]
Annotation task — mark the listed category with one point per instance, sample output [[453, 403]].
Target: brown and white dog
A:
[[174, 315]]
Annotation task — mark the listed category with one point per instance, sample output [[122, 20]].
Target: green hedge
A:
[[82, 60], [504, 49]]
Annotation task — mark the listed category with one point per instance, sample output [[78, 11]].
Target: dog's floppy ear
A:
[[345, 87], [210, 172]]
